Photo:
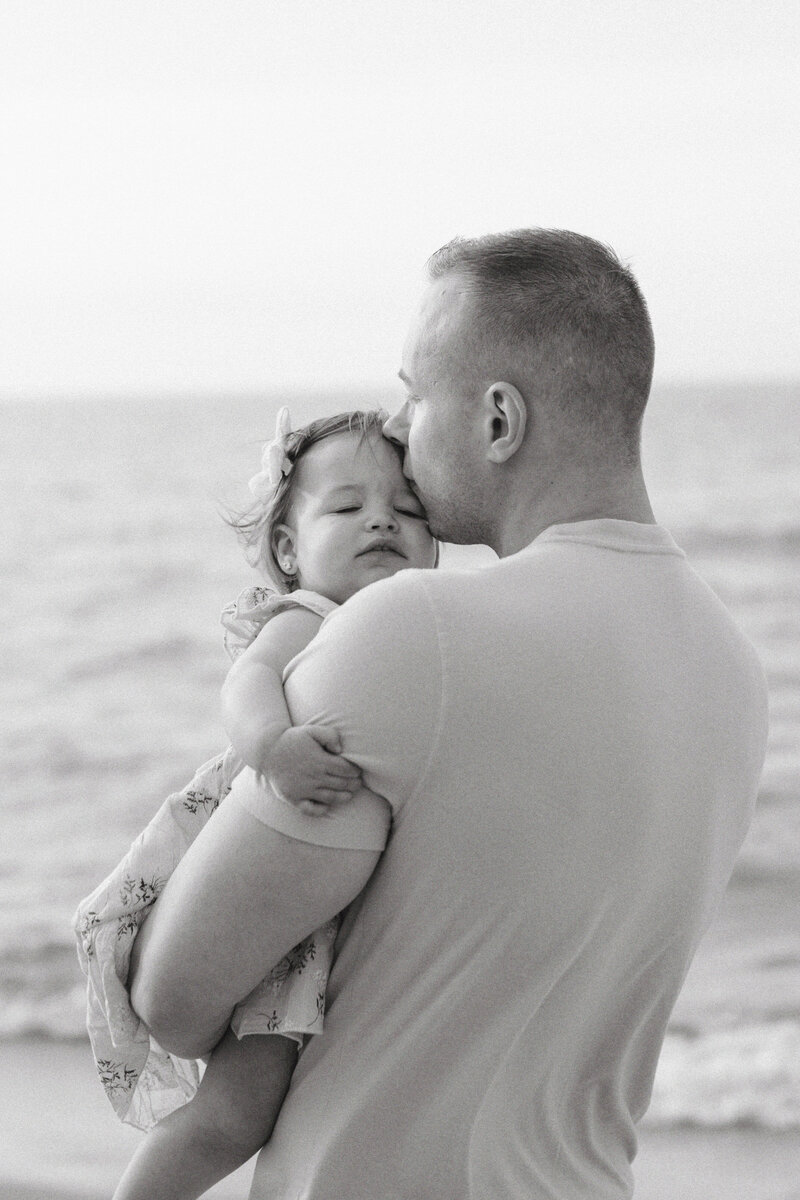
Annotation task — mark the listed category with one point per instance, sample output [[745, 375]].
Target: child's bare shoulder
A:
[[290, 630]]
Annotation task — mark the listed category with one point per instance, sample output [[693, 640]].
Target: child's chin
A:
[[385, 570]]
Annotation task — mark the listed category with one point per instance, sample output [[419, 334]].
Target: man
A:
[[568, 744]]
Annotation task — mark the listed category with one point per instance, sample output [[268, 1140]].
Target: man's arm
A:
[[262, 875], [238, 901]]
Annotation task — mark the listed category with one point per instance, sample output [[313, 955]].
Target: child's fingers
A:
[[335, 783], [344, 769], [327, 737], [314, 809], [331, 743], [329, 796], [334, 765], [336, 771]]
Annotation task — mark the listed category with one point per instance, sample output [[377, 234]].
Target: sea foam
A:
[[745, 1075]]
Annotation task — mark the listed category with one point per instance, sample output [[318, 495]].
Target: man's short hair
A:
[[573, 309]]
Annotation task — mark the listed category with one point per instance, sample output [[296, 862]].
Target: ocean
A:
[[116, 561]]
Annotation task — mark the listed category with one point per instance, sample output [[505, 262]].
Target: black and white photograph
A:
[[400, 475]]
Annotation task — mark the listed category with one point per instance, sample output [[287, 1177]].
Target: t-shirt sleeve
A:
[[373, 672]]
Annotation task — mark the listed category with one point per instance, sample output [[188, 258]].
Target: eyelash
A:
[[406, 512]]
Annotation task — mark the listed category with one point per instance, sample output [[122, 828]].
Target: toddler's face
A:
[[353, 518]]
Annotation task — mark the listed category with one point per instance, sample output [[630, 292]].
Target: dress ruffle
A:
[[143, 1082], [245, 617]]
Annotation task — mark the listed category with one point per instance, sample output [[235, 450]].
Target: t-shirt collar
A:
[[633, 537]]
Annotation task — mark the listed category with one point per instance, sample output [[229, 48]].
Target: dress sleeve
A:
[[374, 673], [245, 617]]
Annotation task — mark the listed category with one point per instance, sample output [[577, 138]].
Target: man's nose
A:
[[396, 428]]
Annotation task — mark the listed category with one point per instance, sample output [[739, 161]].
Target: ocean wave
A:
[[748, 1075], [739, 540], [59, 1015], [745, 1076], [170, 650]]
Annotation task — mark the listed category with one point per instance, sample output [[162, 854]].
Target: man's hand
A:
[[306, 769]]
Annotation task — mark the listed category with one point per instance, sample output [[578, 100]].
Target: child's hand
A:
[[306, 769]]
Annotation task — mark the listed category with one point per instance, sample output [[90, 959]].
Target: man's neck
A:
[[617, 500]]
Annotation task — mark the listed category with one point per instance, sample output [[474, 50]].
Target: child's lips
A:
[[381, 547]]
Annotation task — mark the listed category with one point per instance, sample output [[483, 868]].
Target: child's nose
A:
[[382, 519]]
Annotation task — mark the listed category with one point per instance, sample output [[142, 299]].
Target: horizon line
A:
[[317, 390]]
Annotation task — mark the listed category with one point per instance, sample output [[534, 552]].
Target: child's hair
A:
[[256, 526]]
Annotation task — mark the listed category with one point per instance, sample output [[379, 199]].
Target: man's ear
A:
[[506, 415], [283, 547]]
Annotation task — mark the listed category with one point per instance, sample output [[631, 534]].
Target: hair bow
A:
[[274, 460]]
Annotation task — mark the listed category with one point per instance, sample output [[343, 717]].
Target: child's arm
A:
[[229, 1120], [301, 764], [254, 708]]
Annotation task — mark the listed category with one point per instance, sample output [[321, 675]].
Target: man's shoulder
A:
[[405, 594], [379, 648], [390, 625]]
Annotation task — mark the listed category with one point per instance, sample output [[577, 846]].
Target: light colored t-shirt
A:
[[568, 744]]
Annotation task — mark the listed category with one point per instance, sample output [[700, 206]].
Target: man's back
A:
[[570, 742]]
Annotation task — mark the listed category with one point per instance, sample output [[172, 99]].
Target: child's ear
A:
[[283, 546]]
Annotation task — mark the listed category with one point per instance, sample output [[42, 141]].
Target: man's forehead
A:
[[446, 301], [446, 306]]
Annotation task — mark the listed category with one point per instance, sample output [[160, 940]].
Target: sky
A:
[[227, 196]]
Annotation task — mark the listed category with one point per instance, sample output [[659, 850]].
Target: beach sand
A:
[[59, 1140]]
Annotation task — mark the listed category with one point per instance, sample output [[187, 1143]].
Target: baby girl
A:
[[333, 513]]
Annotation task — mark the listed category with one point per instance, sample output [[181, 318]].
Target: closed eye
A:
[[347, 509], [410, 512]]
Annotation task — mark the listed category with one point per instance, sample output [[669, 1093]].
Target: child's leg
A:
[[229, 1119]]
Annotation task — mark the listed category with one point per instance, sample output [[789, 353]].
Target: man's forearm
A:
[[239, 900]]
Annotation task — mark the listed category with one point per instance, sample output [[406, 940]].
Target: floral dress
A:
[[143, 1082]]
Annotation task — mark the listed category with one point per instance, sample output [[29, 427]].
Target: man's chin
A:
[[452, 532], [444, 527], [438, 523]]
